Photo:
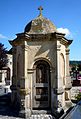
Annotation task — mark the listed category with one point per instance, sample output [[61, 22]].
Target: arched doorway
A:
[[41, 85]]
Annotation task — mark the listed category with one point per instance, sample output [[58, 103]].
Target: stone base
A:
[[22, 114], [68, 105], [28, 113], [36, 112], [25, 113], [42, 116], [57, 113]]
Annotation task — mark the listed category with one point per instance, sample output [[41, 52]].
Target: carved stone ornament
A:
[[58, 91], [67, 51]]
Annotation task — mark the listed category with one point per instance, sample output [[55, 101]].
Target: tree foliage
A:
[[78, 97], [76, 65], [79, 67], [3, 56]]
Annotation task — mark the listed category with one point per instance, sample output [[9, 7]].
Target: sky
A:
[[64, 14]]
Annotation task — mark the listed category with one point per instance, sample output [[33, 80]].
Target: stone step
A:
[[8, 117], [5, 99], [38, 112], [42, 116]]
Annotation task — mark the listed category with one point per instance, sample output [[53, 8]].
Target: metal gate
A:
[[41, 85]]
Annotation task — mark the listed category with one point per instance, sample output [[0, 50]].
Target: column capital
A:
[[67, 51]]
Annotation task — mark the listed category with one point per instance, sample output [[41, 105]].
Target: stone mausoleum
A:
[[41, 79]]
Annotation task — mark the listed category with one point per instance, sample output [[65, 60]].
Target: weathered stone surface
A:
[[42, 60], [9, 117], [40, 25], [42, 116], [59, 91]]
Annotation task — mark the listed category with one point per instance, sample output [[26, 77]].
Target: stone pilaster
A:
[[25, 110], [14, 77], [68, 84], [25, 92], [58, 65], [14, 66], [59, 89], [67, 62]]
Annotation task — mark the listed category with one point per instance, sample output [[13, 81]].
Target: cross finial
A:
[[40, 8]]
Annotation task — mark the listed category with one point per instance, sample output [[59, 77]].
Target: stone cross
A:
[[40, 8]]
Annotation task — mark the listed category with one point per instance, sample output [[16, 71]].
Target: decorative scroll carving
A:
[[67, 51]]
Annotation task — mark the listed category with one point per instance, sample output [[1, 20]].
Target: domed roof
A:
[[40, 25]]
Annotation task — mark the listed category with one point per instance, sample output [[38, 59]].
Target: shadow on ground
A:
[[6, 108]]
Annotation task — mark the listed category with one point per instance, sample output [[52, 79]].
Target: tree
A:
[[78, 96], [3, 56], [79, 67]]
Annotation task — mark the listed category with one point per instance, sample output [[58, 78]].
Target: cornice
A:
[[19, 40], [66, 41], [62, 39], [41, 37], [59, 35]]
